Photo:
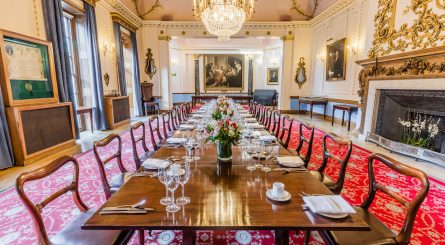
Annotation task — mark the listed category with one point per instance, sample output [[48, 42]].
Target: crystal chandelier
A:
[[223, 18]]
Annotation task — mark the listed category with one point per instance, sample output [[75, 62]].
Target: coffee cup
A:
[[278, 190]]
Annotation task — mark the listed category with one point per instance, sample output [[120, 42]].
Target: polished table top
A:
[[222, 197]]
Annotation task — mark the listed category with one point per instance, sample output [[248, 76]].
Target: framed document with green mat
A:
[[27, 72]]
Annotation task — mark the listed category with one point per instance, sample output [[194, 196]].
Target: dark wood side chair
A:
[[304, 126], [275, 123], [71, 233], [110, 187], [166, 125], [148, 100], [344, 108], [336, 186], [380, 234], [174, 118], [266, 118], [153, 124], [251, 106], [286, 131], [139, 130]]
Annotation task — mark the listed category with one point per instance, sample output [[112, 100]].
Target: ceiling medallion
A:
[[223, 18]]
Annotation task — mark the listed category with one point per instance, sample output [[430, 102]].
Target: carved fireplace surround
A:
[[416, 70]]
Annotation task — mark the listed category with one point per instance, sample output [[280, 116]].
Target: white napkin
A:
[[193, 120], [329, 204], [254, 125], [175, 140], [268, 138], [290, 161], [186, 127], [251, 120], [155, 163], [243, 111], [197, 116], [258, 133], [246, 115]]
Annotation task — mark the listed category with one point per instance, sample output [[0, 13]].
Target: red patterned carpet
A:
[[16, 226]]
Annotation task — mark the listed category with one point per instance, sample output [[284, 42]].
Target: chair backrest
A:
[[147, 91], [258, 111], [275, 122], [102, 162], [36, 209], [166, 123], [286, 130], [139, 126], [342, 160], [412, 207], [154, 131], [174, 118], [267, 117], [251, 106], [304, 126]]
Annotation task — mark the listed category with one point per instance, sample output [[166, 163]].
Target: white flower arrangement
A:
[[419, 130]]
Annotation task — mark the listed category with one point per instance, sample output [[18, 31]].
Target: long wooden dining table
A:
[[223, 196]]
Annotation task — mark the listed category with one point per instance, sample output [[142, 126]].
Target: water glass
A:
[[267, 149], [172, 185], [182, 181], [162, 176]]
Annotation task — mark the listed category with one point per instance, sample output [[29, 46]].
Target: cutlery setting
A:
[[127, 209]]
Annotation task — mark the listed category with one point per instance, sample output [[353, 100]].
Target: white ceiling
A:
[[265, 10]]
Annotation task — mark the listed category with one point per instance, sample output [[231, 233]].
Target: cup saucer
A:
[[178, 173], [287, 196]]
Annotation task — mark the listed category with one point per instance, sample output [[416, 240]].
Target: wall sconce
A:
[[352, 48], [321, 57], [108, 48], [150, 67]]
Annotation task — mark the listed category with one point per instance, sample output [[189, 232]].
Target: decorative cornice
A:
[[91, 2], [332, 10], [116, 17], [125, 12]]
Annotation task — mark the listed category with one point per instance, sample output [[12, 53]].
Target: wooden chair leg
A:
[[333, 116], [307, 236], [141, 237]]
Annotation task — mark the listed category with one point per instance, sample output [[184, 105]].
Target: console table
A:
[[206, 97], [311, 101]]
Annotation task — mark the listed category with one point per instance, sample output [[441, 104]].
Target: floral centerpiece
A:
[[419, 130], [224, 133]]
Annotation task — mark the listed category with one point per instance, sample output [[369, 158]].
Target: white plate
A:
[[334, 216], [181, 172], [286, 197]]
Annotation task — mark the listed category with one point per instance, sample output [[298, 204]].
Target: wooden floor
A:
[[8, 176]]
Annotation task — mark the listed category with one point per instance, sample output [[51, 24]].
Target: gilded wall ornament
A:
[[300, 76], [107, 79], [295, 5], [153, 7], [150, 67], [426, 31]]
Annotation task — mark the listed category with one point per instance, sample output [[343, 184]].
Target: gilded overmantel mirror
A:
[[300, 76]]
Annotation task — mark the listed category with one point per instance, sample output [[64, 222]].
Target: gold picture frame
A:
[[273, 76], [336, 61], [223, 72]]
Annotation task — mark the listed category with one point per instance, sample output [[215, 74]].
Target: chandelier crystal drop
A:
[[223, 18]]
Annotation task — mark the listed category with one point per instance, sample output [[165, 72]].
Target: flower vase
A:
[[224, 151]]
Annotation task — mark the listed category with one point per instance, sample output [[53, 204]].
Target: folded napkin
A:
[[243, 111], [290, 161], [251, 120], [197, 115], [186, 127], [254, 125], [192, 120], [246, 115], [175, 140], [155, 163], [329, 204], [258, 133], [268, 138]]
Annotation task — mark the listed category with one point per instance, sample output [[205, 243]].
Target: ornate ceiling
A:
[[265, 10]]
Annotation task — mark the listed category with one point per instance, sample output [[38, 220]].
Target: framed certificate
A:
[[26, 70]]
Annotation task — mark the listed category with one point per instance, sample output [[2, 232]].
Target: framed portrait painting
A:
[[223, 72], [336, 61], [272, 76]]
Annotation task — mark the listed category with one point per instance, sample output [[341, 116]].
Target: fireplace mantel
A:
[[419, 64]]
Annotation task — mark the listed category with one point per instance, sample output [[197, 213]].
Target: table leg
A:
[[333, 114], [91, 120], [312, 107], [188, 237], [324, 111], [281, 237], [349, 120], [343, 118]]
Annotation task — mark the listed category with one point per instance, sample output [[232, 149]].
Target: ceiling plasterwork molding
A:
[[125, 12], [335, 8]]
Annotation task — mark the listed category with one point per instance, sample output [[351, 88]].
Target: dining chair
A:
[[275, 122], [139, 130], [110, 187], [174, 118], [72, 232], [166, 124], [305, 127], [286, 131], [251, 106], [155, 131], [147, 98], [380, 233], [334, 186], [266, 118]]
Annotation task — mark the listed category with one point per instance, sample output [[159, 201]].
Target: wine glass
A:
[[182, 181], [258, 150], [162, 176], [195, 147], [250, 149], [172, 185], [267, 149], [188, 148]]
